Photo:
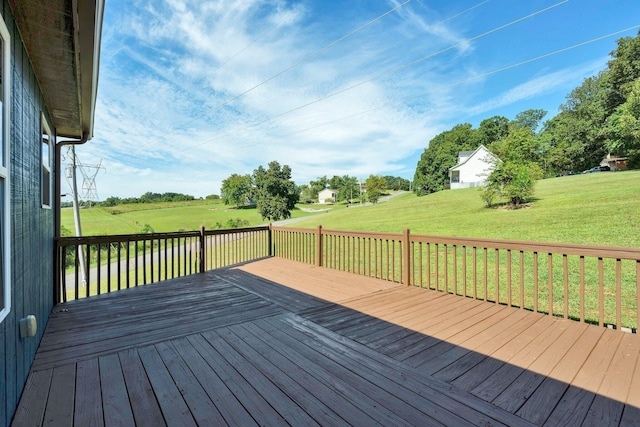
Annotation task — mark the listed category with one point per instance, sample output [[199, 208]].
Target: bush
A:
[[236, 223], [512, 180], [147, 229]]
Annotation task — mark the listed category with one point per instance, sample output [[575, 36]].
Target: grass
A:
[[597, 209], [165, 217]]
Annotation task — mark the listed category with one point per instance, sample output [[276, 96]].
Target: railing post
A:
[[270, 239], [57, 271], [203, 250], [407, 257], [319, 247]]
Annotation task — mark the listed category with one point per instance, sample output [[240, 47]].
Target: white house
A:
[[327, 196], [473, 168]]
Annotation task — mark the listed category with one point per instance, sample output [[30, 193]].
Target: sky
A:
[[192, 91]]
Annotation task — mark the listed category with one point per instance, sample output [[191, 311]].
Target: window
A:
[[455, 176], [5, 218], [46, 176]]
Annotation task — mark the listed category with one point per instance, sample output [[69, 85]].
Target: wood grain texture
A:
[[262, 352]]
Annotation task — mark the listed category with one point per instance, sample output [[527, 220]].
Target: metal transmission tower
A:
[[89, 173], [89, 193]]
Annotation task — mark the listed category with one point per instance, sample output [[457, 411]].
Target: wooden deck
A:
[[276, 342]]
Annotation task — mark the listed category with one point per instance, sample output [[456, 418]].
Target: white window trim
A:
[[4, 169], [45, 128]]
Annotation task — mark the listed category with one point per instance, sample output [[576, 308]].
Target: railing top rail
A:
[[84, 240], [615, 252], [74, 240], [295, 230], [365, 234], [236, 230]]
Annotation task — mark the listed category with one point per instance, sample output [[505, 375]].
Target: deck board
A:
[[144, 405], [117, 410], [278, 342], [61, 395]]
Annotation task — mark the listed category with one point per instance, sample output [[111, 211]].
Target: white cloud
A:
[[544, 83], [188, 94]]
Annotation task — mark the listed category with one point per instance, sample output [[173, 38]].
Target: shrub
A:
[[512, 180]]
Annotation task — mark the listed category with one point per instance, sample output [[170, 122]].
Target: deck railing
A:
[[595, 284], [95, 265]]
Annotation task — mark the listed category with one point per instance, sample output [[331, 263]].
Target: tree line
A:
[[274, 194], [599, 117], [147, 197], [348, 187]]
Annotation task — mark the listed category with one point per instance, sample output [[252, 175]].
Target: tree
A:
[[577, 135], [624, 126], [512, 180], [306, 195], [492, 130], [275, 193], [349, 188], [529, 119], [518, 145], [623, 70], [111, 201], [236, 190], [376, 186], [397, 183], [317, 186], [336, 182], [433, 167]]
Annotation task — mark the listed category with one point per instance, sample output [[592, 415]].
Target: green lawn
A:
[[598, 208], [165, 217]]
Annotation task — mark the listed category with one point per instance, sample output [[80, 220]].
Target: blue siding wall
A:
[[32, 228]]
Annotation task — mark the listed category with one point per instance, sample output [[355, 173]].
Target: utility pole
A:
[[76, 211]]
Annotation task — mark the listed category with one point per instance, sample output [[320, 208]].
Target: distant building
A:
[[327, 196], [615, 163], [472, 169]]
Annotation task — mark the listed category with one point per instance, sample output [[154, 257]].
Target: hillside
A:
[[163, 217], [599, 208]]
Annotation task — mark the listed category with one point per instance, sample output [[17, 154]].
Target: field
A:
[[164, 217], [599, 208]]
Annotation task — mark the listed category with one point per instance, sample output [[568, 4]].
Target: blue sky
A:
[[192, 91]]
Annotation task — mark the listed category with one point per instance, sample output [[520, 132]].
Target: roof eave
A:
[[89, 22], [62, 39]]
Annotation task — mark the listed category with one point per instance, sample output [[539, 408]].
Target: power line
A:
[[456, 15], [280, 73], [382, 75], [461, 82]]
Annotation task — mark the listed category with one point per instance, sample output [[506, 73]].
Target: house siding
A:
[[473, 169], [327, 194], [32, 227]]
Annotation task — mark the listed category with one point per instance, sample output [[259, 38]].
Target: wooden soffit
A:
[[62, 39]]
